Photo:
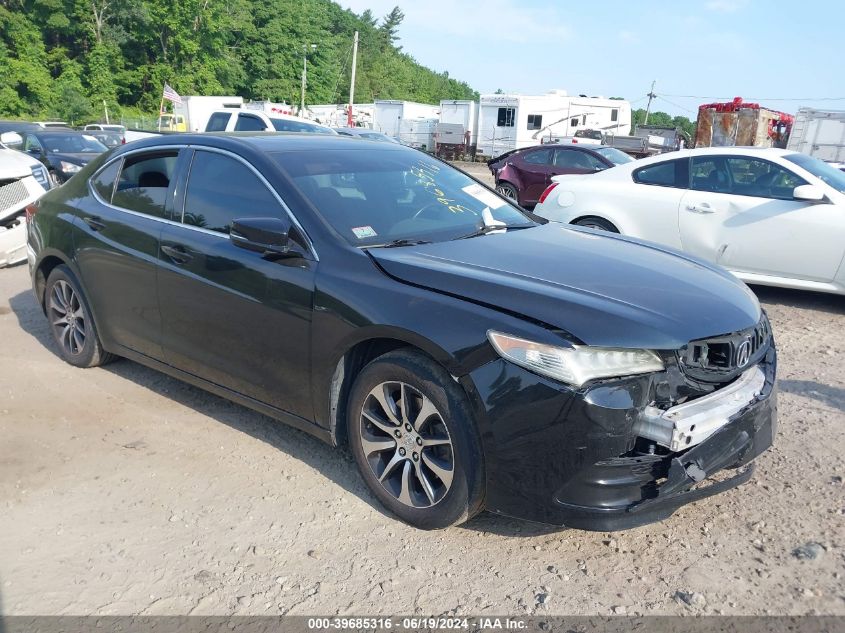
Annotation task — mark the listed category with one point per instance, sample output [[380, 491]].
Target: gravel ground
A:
[[123, 491]]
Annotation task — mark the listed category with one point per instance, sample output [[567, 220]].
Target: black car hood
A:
[[603, 289], [76, 159]]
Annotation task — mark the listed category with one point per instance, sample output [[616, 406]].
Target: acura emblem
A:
[[743, 353]]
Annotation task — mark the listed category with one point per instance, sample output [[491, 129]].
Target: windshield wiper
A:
[[490, 228], [402, 242]]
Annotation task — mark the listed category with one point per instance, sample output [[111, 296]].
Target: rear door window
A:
[[249, 123], [144, 182], [539, 157], [218, 122], [221, 189]]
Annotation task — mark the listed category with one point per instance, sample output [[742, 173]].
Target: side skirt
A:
[[256, 405]]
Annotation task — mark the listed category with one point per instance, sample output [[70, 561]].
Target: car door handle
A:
[[95, 223], [177, 253], [703, 208]]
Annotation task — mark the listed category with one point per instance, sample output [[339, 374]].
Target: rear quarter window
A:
[[103, 182], [672, 173]]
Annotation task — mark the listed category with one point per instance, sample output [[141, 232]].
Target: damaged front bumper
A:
[[583, 466]]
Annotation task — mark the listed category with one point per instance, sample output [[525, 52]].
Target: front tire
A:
[[414, 440], [597, 223], [70, 320]]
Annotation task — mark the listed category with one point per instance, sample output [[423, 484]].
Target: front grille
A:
[[721, 358], [12, 193]]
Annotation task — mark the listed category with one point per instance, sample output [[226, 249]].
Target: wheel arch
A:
[[600, 216], [361, 351], [42, 271]]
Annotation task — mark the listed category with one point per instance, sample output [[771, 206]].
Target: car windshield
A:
[[72, 143], [820, 169], [289, 125], [615, 156], [383, 196]]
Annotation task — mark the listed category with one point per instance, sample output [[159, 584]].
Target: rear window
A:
[[144, 182], [218, 122]]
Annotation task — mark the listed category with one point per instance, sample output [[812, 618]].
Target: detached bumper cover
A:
[[566, 470]]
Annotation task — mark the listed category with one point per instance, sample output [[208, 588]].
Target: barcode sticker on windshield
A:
[[484, 196], [363, 232]]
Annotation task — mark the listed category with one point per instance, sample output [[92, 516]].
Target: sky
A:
[[781, 54]]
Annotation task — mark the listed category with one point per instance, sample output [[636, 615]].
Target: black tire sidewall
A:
[[91, 348], [465, 497], [597, 222]]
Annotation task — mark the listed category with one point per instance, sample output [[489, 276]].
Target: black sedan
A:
[[63, 152], [470, 356]]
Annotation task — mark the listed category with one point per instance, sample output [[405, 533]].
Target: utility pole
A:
[[304, 75], [349, 121], [651, 96]]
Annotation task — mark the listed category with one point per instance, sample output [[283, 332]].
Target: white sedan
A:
[[770, 216]]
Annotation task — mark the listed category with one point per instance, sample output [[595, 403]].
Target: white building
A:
[[511, 121], [388, 115]]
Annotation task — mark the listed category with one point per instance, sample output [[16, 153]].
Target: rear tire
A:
[[597, 223], [415, 442], [508, 191], [70, 320]]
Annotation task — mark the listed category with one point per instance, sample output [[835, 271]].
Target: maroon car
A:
[[523, 174]]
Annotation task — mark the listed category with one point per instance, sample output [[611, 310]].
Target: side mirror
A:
[[268, 236], [11, 139], [809, 193]]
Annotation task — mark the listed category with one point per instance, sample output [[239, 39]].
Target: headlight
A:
[[39, 172], [70, 168], [574, 365]]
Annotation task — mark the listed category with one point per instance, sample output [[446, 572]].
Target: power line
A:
[[675, 104], [756, 98]]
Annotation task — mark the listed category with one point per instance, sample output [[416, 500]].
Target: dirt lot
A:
[[123, 491]]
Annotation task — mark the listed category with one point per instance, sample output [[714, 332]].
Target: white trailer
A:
[[819, 133], [418, 133], [457, 131], [270, 108], [388, 115], [335, 115], [511, 121]]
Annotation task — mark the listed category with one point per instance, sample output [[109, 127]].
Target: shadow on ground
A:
[[334, 463], [821, 301], [827, 395]]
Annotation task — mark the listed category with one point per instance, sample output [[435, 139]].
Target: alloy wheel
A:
[[406, 444], [507, 192], [67, 317]]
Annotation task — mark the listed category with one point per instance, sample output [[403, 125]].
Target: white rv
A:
[[819, 133], [507, 122], [388, 115]]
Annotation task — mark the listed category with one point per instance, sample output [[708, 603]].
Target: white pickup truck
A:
[[256, 121]]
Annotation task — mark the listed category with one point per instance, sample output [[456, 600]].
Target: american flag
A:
[[171, 95]]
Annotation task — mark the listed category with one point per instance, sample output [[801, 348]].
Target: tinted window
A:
[[218, 122], [30, 142], [743, 176], [506, 117], [222, 189], [614, 114], [576, 159], [249, 123], [104, 181], [668, 174], [535, 121], [539, 157], [573, 122], [144, 182]]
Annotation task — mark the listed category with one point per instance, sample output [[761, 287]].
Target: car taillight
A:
[[575, 141], [547, 192], [30, 211]]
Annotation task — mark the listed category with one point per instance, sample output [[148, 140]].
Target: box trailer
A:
[[511, 121], [456, 135], [336, 115], [819, 133], [388, 115], [418, 133], [738, 123]]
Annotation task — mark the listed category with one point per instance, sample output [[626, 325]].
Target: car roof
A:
[[264, 142], [763, 152], [46, 133]]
